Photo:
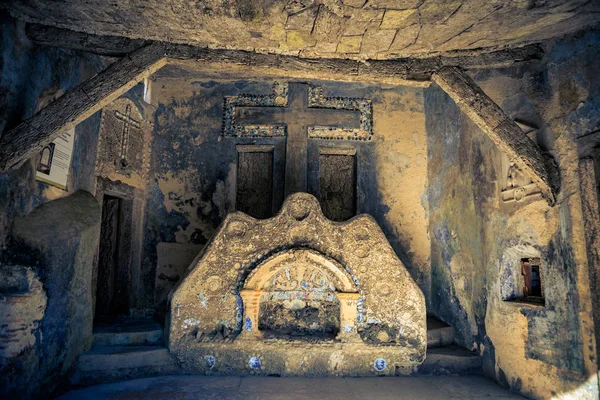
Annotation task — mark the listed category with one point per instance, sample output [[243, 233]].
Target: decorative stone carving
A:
[[299, 112], [281, 99], [124, 144], [371, 293], [519, 185]]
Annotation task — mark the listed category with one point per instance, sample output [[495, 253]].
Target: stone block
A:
[[376, 41], [60, 239], [297, 40], [355, 27], [302, 21], [396, 19], [405, 37], [328, 27], [350, 44]]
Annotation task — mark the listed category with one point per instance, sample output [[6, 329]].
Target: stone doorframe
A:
[[131, 248], [346, 291]]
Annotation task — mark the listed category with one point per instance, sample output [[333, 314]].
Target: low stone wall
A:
[[22, 306]]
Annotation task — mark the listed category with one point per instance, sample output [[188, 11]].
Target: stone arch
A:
[[300, 261], [270, 267]]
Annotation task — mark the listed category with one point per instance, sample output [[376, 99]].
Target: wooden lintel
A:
[[114, 46], [588, 144], [250, 64], [411, 71], [501, 130], [78, 104]]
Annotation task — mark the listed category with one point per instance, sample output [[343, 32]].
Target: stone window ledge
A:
[[523, 304]]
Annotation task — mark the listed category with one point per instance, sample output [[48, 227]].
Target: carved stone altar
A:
[[298, 294]]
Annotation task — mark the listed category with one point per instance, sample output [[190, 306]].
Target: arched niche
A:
[[300, 276]]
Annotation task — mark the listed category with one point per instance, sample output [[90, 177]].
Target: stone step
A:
[[451, 360], [140, 332], [439, 334], [115, 363]]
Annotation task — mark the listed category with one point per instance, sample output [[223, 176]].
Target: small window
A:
[[531, 271]]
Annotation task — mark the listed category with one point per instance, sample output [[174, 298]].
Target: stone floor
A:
[[232, 387]]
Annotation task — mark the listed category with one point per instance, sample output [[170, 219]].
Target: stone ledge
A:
[[328, 358]]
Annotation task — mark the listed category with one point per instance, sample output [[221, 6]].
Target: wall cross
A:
[[127, 123], [299, 112]]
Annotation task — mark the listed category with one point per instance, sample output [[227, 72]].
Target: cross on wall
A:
[[306, 114], [128, 122]]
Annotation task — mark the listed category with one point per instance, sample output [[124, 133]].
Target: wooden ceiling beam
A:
[[381, 71], [29, 138], [501, 129]]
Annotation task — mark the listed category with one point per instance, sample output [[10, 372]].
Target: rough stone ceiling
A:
[[322, 28]]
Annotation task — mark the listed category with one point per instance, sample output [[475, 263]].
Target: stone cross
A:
[[298, 117], [127, 122]]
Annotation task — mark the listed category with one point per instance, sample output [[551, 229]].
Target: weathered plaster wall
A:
[[30, 78], [193, 187], [540, 351]]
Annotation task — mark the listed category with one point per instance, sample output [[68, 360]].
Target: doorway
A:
[[114, 259]]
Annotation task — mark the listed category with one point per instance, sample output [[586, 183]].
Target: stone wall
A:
[[59, 240], [193, 186], [478, 240], [30, 78], [342, 28]]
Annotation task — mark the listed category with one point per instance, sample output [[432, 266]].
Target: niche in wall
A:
[[522, 275]]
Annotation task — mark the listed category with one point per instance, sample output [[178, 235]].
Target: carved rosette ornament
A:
[[309, 272]]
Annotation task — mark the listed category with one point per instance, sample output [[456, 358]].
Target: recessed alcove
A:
[[299, 318], [522, 275], [299, 303]]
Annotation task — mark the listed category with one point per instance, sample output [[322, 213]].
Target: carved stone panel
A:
[[519, 186], [124, 144], [272, 121], [299, 300]]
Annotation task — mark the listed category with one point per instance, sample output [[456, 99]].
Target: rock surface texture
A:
[[348, 28], [59, 239], [308, 265]]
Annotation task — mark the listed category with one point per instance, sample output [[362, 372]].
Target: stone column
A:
[[348, 314], [251, 301], [591, 219]]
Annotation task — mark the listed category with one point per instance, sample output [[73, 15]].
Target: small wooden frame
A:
[[531, 271]]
